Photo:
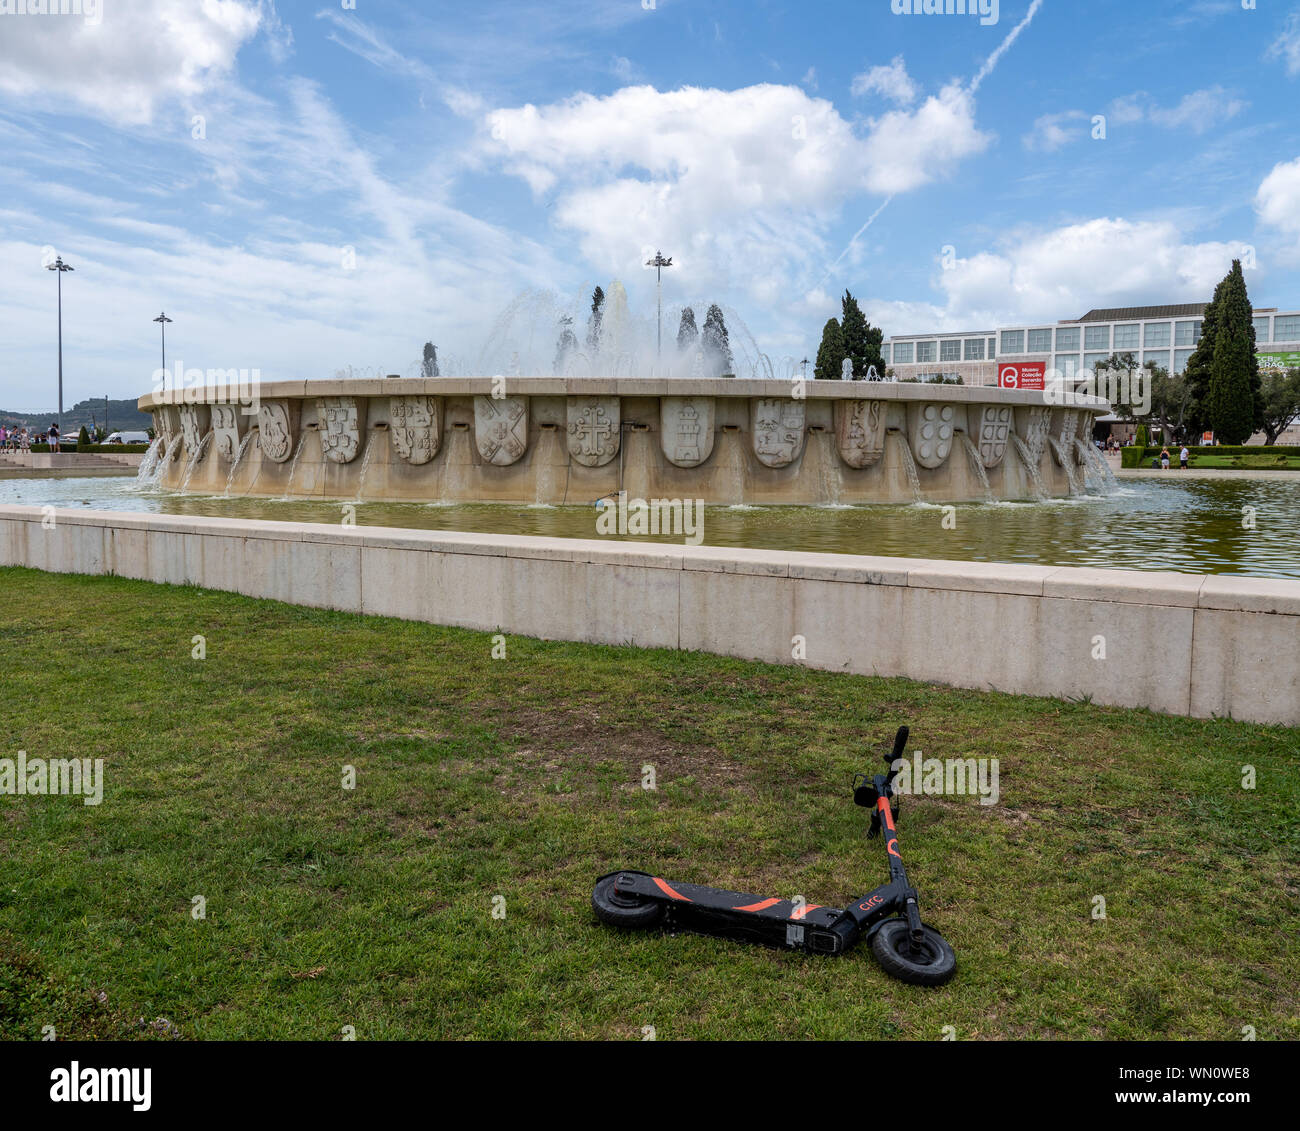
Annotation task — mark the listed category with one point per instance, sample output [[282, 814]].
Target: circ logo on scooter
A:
[[868, 904]]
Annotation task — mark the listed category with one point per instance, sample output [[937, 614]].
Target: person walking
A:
[[1182, 458], [1164, 459], [52, 437]]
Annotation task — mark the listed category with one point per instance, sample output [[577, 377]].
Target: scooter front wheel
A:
[[618, 909], [932, 964]]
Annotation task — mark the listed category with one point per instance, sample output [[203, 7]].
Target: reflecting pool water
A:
[[1249, 526]]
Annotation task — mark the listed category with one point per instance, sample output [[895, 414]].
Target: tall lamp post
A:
[[59, 267], [659, 263], [162, 320]]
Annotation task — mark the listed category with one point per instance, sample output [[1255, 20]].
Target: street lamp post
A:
[[659, 263], [162, 320], [59, 267]]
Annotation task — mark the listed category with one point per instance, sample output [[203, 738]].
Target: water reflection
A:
[[1195, 526]]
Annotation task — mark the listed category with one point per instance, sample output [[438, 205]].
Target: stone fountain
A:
[[573, 440]]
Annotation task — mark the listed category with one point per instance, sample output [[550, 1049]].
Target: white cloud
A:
[[1198, 111], [741, 181], [134, 57], [1287, 44], [889, 79], [1127, 109], [1278, 198], [1051, 131], [906, 147], [1063, 273]]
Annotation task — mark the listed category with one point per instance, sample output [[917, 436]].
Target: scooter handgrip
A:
[[900, 741]]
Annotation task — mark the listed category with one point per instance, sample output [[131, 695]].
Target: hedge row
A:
[[1142, 457]]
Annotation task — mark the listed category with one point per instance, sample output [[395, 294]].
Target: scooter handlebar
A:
[[900, 741]]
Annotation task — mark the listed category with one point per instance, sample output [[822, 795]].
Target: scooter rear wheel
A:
[[932, 965], [629, 911]]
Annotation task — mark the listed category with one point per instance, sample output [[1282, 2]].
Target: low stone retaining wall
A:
[[1185, 644]]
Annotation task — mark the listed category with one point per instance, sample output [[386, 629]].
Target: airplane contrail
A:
[[1003, 47]]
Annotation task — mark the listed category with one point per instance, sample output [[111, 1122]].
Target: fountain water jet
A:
[[1031, 468], [239, 455], [1107, 481], [977, 465], [293, 467], [909, 464], [147, 473], [194, 461], [1065, 458]]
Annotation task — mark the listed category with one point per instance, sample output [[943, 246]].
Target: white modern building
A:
[[1165, 335]]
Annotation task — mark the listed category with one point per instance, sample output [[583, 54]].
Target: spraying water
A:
[[147, 473], [909, 464], [293, 467], [194, 461], [525, 337], [1031, 468], [239, 455], [365, 464], [1106, 481], [1066, 460], [977, 465]]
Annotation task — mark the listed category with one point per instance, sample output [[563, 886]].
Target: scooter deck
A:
[[737, 914]]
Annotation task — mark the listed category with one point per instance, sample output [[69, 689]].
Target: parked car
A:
[[128, 438]]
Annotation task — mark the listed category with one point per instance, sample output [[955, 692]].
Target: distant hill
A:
[[122, 416]]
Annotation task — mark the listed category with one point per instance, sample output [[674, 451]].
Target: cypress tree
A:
[[1235, 399], [687, 334], [1197, 373], [830, 354], [717, 350], [593, 323], [862, 341], [429, 366]]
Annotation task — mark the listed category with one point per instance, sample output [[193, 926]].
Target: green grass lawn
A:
[[521, 778]]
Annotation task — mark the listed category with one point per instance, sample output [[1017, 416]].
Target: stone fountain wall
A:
[[573, 440]]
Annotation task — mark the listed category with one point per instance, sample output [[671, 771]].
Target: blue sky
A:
[[305, 187]]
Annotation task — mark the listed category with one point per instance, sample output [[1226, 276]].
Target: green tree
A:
[[1197, 373], [1281, 392], [1235, 401], [429, 364], [593, 322], [83, 439], [717, 349], [687, 334], [830, 354], [1171, 400], [862, 341]]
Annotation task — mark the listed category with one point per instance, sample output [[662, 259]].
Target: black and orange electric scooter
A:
[[908, 949]]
